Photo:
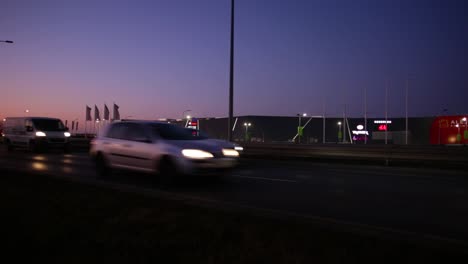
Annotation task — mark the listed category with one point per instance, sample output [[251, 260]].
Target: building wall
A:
[[283, 129]]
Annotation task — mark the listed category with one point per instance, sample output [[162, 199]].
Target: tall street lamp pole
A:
[[339, 131], [466, 127], [299, 131], [406, 112], [231, 75], [187, 117], [247, 130]]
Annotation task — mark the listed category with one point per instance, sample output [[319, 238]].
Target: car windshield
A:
[[48, 124], [172, 132]]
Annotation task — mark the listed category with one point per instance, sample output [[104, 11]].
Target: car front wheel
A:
[[168, 172]]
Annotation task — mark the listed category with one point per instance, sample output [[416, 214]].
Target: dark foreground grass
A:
[[45, 219]]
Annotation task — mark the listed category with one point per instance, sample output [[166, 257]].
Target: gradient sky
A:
[[157, 58]]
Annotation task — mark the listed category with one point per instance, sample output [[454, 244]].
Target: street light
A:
[[339, 131], [465, 134], [187, 117], [299, 126], [247, 125], [183, 113]]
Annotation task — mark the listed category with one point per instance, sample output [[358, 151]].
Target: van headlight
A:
[[67, 134], [230, 153], [196, 154], [40, 134]]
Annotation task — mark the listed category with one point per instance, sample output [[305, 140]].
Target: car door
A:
[[112, 144], [138, 149]]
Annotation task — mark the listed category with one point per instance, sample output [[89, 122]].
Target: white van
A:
[[35, 133]]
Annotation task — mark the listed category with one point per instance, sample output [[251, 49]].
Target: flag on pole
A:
[[96, 113], [116, 112], [88, 113], [106, 112], [73, 125]]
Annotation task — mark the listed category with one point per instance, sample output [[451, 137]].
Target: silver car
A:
[[162, 148]]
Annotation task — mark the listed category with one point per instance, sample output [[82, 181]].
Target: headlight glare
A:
[[67, 134], [196, 154], [238, 148], [230, 153], [40, 134]]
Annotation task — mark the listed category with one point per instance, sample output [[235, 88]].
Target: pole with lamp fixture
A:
[[186, 117], [339, 131], [465, 133], [247, 125], [299, 127]]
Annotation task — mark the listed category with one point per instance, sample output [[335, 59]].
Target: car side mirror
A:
[[29, 129]]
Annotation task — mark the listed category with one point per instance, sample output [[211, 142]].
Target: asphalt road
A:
[[428, 203]]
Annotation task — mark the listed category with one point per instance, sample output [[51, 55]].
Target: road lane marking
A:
[[263, 178]]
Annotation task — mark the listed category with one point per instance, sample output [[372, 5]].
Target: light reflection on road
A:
[[67, 169], [39, 158], [40, 166]]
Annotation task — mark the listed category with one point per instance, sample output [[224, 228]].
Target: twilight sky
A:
[[157, 58]]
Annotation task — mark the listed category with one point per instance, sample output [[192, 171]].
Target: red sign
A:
[[382, 127], [449, 130]]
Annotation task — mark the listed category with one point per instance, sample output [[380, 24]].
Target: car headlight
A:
[[238, 148], [230, 153], [40, 134], [67, 134], [196, 154]]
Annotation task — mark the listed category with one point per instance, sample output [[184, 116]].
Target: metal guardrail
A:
[[456, 156]]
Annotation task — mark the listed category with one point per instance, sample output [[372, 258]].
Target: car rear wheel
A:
[[102, 167], [9, 146]]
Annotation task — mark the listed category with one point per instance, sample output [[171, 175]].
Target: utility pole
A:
[[365, 114], [386, 113], [406, 110], [231, 75]]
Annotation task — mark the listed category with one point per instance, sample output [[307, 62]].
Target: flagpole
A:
[[406, 112], [365, 115], [323, 115], [386, 113]]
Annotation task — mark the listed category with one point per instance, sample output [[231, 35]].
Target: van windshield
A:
[[48, 124]]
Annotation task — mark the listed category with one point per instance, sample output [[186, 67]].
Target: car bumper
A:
[[52, 142]]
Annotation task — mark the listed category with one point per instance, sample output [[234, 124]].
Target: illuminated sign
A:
[[382, 121], [382, 127], [193, 124], [360, 132]]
